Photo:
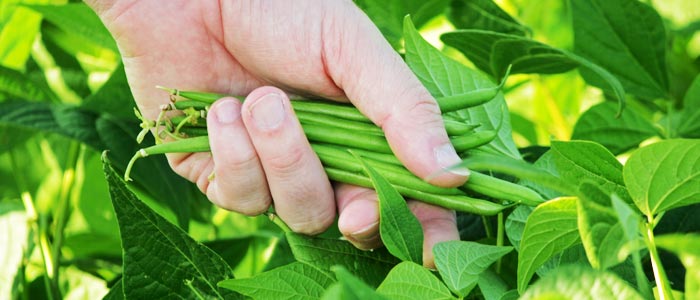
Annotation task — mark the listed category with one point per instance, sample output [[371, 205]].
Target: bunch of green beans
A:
[[335, 129]]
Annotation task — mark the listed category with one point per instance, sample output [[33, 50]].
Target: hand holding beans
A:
[[260, 155]]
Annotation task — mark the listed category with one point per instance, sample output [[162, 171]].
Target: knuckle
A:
[[286, 164]]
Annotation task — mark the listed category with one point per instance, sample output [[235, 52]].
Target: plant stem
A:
[[499, 240], [665, 292]]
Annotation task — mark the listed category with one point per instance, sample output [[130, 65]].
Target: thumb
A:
[[378, 82]]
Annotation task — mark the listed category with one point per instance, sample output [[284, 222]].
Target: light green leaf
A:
[[17, 36], [461, 263], [113, 97], [161, 260], [443, 76], [293, 281], [550, 229], [349, 287], [20, 87], [484, 14], [690, 115], [492, 286], [77, 18], [578, 161], [626, 37], [412, 281], [370, 266], [687, 248], [515, 224], [387, 15], [578, 282], [599, 124], [400, 230], [601, 232], [664, 175]]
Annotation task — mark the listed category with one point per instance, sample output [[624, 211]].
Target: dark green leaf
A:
[[16, 85], [690, 115], [370, 266], [578, 282], [626, 37], [492, 285], [483, 14], [599, 124], [550, 229], [687, 247], [232, 250], [113, 97], [400, 230], [388, 15], [116, 292], [443, 76], [294, 281], [77, 18], [601, 232], [161, 260], [349, 287], [664, 175], [409, 280], [461, 263]]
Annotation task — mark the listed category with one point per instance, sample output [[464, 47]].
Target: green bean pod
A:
[[501, 189], [470, 141], [195, 144]]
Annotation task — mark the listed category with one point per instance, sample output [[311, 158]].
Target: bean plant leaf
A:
[[515, 224], [578, 161], [409, 280], [600, 124], [160, 259], [579, 282], [77, 18], [601, 232], [492, 286], [16, 45], [349, 287], [485, 15], [690, 115], [687, 248], [387, 15], [460, 263], [627, 38], [14, 84], [113, 97], [399, 229], [293, 281], [664, 175], [322, 253], [550, 229], [443, 76]]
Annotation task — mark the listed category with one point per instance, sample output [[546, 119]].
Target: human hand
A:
[[258, 150]]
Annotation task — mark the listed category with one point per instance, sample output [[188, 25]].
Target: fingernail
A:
[[268, 112], [447, 158], [367, 233], [227, 111]]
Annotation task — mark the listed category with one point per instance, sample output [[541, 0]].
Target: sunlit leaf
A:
[[599, 124], [601, 232], [409, 280], [461, 263], [578, 282], [690, 115], [483, 14], [294, 281], [349, 287]]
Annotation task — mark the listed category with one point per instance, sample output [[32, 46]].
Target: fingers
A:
[[298, 184], [381, 85], [359, 220]]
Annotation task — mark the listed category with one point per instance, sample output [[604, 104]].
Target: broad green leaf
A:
[[17, 36], [690, 115], [113, 97], [409, 280], [578, 282], [116, 292], [399, 228], [599, 124], [550, 229], [14, 235], [460, 263], [515, 224], [628, 218], [484, 14], [687, 248], [443, 76], [349, 287], [18, 86], [388, 15], [294, 281], [370, 266], [664, 175], [77, 18], [161, 260], [492, 286], [578, 161], [627, 38], [601, 233]]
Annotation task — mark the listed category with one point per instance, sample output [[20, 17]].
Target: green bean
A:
[[467, 142], [325, 120], [195, 144], [341, 136], [501, 189], [185, 104], [456, 128], [335, 109]]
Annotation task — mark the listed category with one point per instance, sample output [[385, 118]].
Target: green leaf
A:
[[409, 280], [293, 281], [550, 229], [443, 76], [515, 224], [461, 263], [599, 124], [484, 14], [578, 282], [601, 232], [113, 97], [690, 115], [371, 266], [17, 35], [664, 175], [116, 292], [349, 287], [161, 260], [400, 230], [687, 248], [626, 37], [387, 15], [578, 161], [492, 285], [16, 85], [79, 19]]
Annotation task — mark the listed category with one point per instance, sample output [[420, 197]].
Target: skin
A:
[[267, 49]]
